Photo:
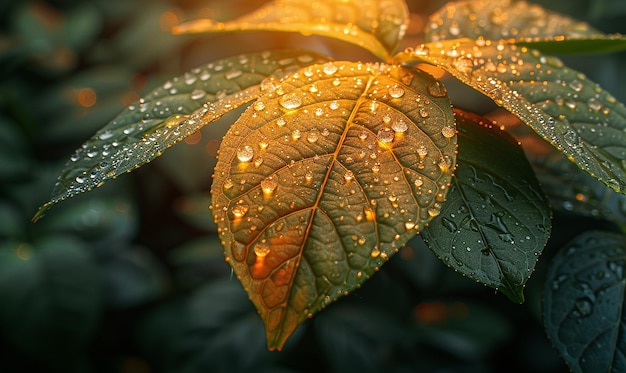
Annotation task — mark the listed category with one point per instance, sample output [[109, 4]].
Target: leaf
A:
[[519, 22], [170, 113], [496, 220], [321, 181], [584, 302], [573, 191], [377, 26], [502, 19], [574, 114], [50, 290]]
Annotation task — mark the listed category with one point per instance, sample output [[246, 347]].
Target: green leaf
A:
[[502, 19], [496, 220], [377, 26], [572, 191], [521, 23], [574, 114], [584, 302], [50, 291], [171, 112], [321, 181]]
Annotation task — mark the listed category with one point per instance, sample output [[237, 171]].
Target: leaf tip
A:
[[41, 212]]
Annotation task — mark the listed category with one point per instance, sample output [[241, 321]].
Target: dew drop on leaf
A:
[[245, 153], [262, 249], [400, 126], [334, 105], [396, 91], [197, 94], [268, 185], [290, 102], [448, 131], [436, 89], [386, 135], [259, 105], [240, 210], [329, 68], [281, 122], [312, 136]]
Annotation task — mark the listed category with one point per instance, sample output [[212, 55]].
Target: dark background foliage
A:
[[131, 277]]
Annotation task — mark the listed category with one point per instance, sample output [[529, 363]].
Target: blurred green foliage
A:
[[132, 279]]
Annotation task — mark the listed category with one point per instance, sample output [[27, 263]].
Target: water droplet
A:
[[433, 211], [290, 102], [268, 185], [375, 253], [269, 84], [308, 177], [312, 136], [245, 153], [424, 113], [240, 210], [363, 135], [79, 179], [501, 68], [228, 183], [400, 126], [232, 74], [334, 105], [197, 94], [296, 134], [444, 164], [576, 85], [262, 249], [376, 167], [448, 131], [418, 182], [348, 176], [422, 151], [396, 91], [259, 105], [449, 225], [464, 65], [329, 68], [105, 135], [436, 89], [319, 112], [409, 225], [584, 306], [386, 135], [374, 105], [258, 161], [281, 122]]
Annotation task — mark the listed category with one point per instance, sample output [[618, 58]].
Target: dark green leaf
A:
[[573, 113], [377, 26], [584, 303], [496, 220], [171, 112], [321, 181], [51, 298]]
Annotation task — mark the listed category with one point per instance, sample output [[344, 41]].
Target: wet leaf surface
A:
[[322, 180], [506, 19], [377, 26], [519, 22], [574, 114], [584, 302], [496, 220], [171, 112]]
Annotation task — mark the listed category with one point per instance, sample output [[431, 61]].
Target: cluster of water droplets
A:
[[502, 20]]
